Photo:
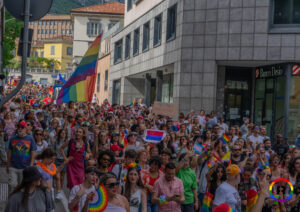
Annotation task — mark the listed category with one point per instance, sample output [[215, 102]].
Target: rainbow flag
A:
[[206, 202], [124, 139], [154, 136], [251, 199], [81, 85], [225, 139]]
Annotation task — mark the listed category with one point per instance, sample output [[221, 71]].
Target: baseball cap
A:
[[22, 123], [233, 170]]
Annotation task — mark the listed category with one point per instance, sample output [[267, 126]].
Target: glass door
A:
[[269, 105]]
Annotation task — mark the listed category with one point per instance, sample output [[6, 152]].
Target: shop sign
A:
[[269, 71]]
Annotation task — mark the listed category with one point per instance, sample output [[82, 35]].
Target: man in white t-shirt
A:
[[227, 192], [80, 195], [255, 138], [95, 99]]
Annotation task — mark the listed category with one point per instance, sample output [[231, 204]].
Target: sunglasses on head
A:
[[111, 185]]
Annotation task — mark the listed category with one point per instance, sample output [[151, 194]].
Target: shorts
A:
[[58, 162]]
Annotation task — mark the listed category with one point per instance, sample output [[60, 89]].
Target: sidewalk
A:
[[60, 205]]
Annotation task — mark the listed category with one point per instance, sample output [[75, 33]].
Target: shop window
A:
[[171, 23], [157, 30], [118, 51], [127, 46], [136, 41], [146, 36], [294, 111]]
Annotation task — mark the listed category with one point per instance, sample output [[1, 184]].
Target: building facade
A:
[[51, 26], [103, 65], [89, 22], [236, 57]]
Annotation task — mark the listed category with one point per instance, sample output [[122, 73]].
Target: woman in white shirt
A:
[[134, 191]]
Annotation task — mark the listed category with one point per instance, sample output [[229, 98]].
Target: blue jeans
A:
[[151, 207]]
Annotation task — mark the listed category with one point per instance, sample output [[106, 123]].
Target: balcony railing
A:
[[33, 70]]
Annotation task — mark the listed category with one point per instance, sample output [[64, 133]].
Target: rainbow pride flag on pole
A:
[[225, 139], [81, 85], [154, 136]]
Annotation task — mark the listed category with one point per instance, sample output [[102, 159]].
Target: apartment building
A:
[[239, 58]]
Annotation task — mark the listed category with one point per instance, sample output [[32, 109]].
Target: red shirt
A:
[[148, 179]]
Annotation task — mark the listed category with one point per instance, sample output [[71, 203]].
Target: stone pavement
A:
[[60, 205]]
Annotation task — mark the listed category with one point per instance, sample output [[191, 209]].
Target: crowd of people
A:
[[201, 164]]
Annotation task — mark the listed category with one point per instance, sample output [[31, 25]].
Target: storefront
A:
[[269, 95]]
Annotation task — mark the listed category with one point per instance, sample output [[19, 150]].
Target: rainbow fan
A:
[[99, 201]]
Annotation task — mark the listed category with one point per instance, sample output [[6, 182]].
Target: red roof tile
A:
[[108, 8]]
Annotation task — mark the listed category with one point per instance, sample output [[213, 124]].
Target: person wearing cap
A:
[[227, 192], [81, 194], [116, 149], [21, 154], [131, 138], [29, 196], [255, 138]]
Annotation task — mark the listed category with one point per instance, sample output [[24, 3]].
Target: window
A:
[[157, 31], [48, 23], [286, 12], [44, 23], [146, 36], [171, 23], [55, 23], [129, 5], [69, 51], [50, 31], [71, 31], [62, 31], [39, 23], [111, 24], [42, 31], [94, 28], [98, 82], [47, 31], [36, 54], [106, 80], [39, 31], [42, 54], [127, 46], [52, 50], [118, 51], [51, 23], [54, 31], [67, 31], [136, 41]]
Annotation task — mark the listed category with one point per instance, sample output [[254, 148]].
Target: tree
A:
[[12, 32]]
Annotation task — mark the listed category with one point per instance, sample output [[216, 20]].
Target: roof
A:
[[108, 8], [56, 17]]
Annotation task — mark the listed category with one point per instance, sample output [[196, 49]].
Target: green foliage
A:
[[41, 62], [12, 31], [65, 6]]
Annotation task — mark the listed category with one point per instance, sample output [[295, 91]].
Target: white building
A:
[[89, 22]]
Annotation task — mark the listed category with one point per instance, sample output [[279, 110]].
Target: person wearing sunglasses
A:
[[40, 143], [116, 202], [81, 194]]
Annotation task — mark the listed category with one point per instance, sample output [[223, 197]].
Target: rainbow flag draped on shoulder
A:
[[81, 85]]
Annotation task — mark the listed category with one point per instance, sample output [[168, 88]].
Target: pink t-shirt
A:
[[163, 187]]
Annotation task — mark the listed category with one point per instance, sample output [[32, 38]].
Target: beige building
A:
[[103, 66], [89, 22], [51, 26]]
